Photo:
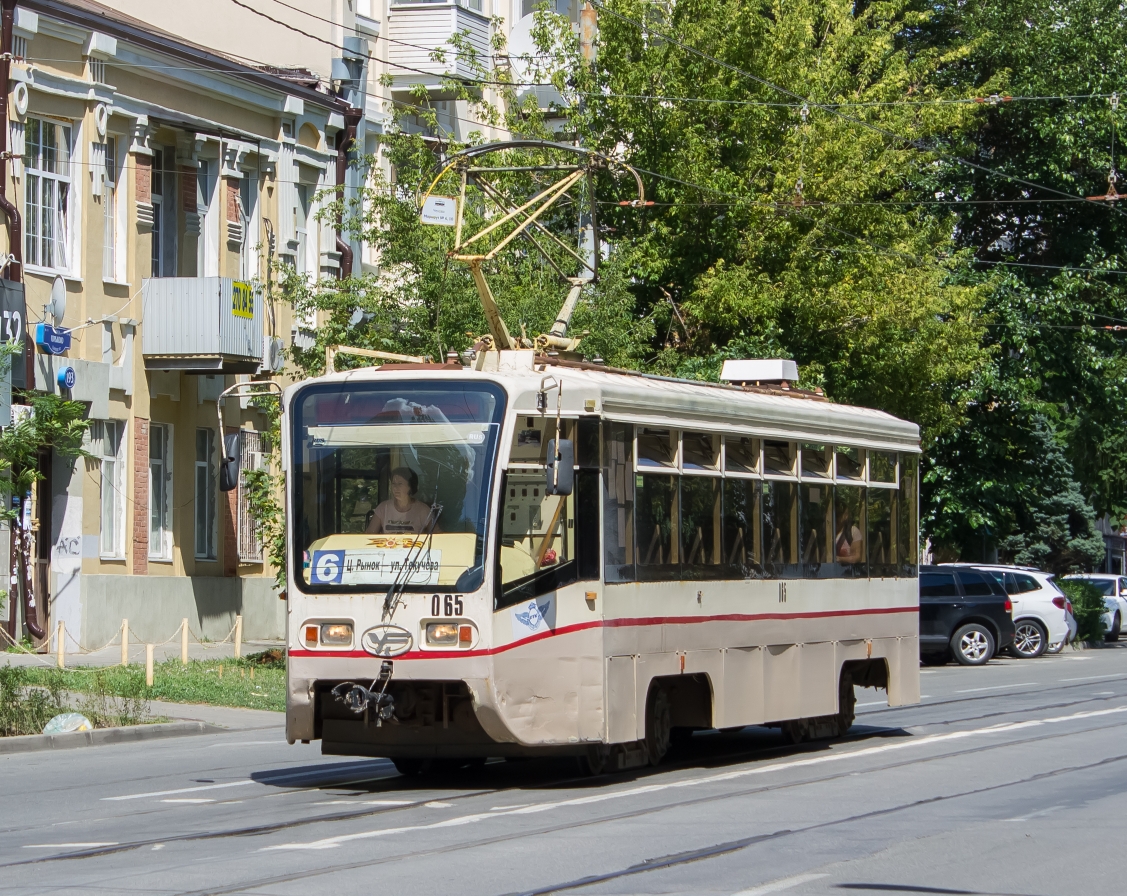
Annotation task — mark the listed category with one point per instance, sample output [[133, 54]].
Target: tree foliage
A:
[[827, 186]]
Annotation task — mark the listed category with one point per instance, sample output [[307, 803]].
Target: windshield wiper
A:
[[391, 599]]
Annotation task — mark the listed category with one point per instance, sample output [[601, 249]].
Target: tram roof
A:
[[650, 400]]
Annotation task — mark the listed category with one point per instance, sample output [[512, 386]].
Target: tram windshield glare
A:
[[391, 484]]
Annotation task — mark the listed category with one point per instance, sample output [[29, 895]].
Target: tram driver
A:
[[402, 512]]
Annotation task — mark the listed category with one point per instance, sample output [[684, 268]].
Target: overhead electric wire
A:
[[877, 129]]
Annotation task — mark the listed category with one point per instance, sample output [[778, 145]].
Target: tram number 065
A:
[[446, 605]]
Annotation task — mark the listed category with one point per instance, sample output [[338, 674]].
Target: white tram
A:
[[530, 556]]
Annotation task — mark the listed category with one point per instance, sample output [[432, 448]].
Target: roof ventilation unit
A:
[[762, 371]]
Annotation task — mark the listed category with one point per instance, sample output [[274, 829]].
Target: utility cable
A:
[[877, 129]]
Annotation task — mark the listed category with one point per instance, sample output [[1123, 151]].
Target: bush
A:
[[26, 707], [1088, 608]]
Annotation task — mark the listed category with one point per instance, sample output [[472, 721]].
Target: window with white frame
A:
[[248, 211], [160, 491], [109, 212], [108, 441], [47, 193], [251, 447], [301, 226], [206, 499], [164, 213], [207, 249]]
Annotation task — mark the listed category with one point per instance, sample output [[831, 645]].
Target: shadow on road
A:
[[703, 749]]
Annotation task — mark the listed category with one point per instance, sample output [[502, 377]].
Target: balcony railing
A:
[[201, 324], [425, 27]]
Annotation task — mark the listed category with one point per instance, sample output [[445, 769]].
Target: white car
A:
[[1114, 590], [1042, 612]]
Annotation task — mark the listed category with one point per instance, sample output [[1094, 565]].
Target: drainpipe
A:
[[14, 272], [15, 228], [345, 139]]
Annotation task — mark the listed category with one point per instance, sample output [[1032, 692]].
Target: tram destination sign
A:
[[374, 566]]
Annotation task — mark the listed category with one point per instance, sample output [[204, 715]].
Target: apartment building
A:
[[158, 181]]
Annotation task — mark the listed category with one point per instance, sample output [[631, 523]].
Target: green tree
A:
[[1046, 263]]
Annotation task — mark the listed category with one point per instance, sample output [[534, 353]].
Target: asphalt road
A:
[[1009, 779]]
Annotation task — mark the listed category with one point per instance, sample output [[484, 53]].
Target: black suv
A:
[[963, 613]]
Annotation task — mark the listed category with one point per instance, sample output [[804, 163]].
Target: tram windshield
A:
[[391, 484]]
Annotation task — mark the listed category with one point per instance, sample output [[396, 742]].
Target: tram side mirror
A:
[[561, 467], [229, 463]]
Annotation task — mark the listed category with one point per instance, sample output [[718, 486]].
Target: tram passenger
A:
[[402, 512], [849, 544]]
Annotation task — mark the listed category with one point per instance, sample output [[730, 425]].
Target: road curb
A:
[[29, 743]]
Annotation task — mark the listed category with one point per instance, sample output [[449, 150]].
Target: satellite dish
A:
[[57, 307]]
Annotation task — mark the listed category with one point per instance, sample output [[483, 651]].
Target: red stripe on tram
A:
[[606, 623]]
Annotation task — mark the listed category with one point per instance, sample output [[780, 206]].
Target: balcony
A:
[[426, 27], [201, 325]]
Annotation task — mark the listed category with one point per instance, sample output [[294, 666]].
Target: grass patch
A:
[[31, 697], [254, 682]]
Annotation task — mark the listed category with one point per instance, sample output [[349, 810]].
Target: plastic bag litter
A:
[[67, 722]]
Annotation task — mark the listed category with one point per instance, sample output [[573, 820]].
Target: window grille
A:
[[251, 449]]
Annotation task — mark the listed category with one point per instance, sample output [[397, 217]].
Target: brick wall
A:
[[230, 502], [232, 198], [144, 167], [140, 496]]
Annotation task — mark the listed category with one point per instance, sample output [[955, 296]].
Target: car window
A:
[[1123, 586], [938, 584], [1025, 583], [975, 584], [1106, 587]]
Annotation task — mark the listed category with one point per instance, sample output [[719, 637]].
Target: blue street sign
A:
[[52, 340], [66, 378]]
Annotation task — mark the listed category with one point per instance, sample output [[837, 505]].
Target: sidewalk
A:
[[231, 717], [111, 656]]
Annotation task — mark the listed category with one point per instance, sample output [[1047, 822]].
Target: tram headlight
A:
[[442, 633], [336, 633]]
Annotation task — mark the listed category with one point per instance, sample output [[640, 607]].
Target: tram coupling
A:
[[360, 699]]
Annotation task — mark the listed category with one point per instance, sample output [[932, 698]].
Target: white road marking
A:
[[507, 808], [777, 886], [1092, 677], [365, 803], [925, 740], [190, 800], [437, 804], [67, 845], [875, 703], [141, 796], [273, 779], [997, 687]]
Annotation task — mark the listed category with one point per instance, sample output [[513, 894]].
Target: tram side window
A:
[[656, 508], [780, 529], [700, 528], [882, 548], [547, 541], [817, 529], [849, 531], [907, 504], [618, 502], [742, 556]]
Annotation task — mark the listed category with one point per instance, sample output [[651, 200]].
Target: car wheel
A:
[[1054, 649], [973, 645], [935, 659], [1116, 627], [1030, 639]]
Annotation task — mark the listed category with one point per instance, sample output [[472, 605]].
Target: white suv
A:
[[1114, 590], [1042, 616]]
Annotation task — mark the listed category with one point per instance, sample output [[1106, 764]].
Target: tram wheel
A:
[[411, 767], [659, 726], [594, 761], [846, 706]]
